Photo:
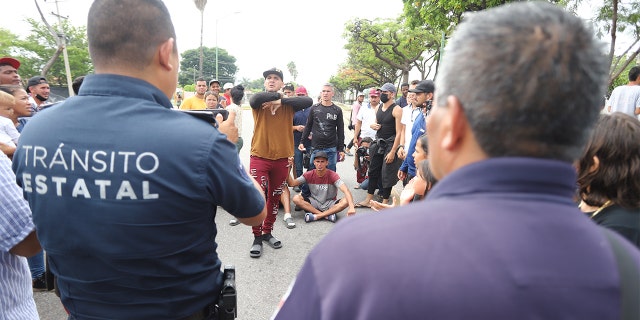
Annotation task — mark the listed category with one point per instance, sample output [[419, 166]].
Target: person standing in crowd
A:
[[39, 91], [626, 99], [365, 127], [19, 240], [383, 169], [9, 71], [355, 108], [499, 236], [227, 92], [409, 114], [609, 175], [423, 96], [22, 106], [299, 122], [271, 149], [236, 94], [196, 102], [119, 213], [214, 86], [211, 100], [403, 101], [326, 127]]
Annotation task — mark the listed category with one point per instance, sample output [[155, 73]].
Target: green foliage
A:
[[227, 68], [39, 46], [189, 88], [383, 50], [255, 85], [291, 66]]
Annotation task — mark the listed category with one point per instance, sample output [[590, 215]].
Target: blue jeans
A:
[[36, 265], [332, 153], [297, 161]]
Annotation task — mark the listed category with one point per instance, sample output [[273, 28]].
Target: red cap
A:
[[10, 61], [301, 90], [374, 92]]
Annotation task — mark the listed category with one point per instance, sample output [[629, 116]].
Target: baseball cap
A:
[[426, 86], [34, 81], [275, 71], [301, 90], [374, 92], [212, 81], [388, 87], [360, 94], [227, 85], [321, 154], [10, 61]]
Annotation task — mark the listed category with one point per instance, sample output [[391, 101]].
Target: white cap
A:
[[227, 85]]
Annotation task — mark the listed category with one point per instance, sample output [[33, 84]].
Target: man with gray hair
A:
[[499, 236]]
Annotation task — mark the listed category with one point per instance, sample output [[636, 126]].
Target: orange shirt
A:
[[272, 134]]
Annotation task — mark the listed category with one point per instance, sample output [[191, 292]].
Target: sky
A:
[[259, 34]]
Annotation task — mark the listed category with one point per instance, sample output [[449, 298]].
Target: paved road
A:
[[260, 282]]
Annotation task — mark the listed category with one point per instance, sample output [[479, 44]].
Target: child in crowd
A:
[[8, 133]]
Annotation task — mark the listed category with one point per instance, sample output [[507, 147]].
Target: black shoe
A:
[[296, 208], [40, 284]]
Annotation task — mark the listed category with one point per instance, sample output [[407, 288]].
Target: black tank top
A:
[[387, 122]]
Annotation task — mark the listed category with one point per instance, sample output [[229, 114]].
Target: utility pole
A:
[[63, 40]]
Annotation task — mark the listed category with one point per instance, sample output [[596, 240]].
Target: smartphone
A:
[[208, 115]]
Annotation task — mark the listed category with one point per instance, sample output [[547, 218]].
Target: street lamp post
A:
[[217, 40]]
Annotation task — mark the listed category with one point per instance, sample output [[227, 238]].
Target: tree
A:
[[189, 64], [293, 71], [616, 17], [200, 4], [387, 46], [36, 52]]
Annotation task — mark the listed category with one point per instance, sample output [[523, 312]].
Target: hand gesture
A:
[[228, 127]]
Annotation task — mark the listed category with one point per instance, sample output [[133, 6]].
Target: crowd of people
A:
[[513, 204]]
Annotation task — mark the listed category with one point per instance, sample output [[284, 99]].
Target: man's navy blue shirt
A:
[[124, 192]]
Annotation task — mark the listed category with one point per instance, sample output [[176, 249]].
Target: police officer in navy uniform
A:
[[124, 189]]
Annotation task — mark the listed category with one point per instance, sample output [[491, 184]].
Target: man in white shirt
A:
[[626, 98]]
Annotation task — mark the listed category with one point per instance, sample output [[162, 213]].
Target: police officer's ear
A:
[[167, 55]]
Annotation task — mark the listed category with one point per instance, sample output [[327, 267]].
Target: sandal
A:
[[360, 205], [308, 217], [332, 217], [272, 241], [289, 223], [256, 248]]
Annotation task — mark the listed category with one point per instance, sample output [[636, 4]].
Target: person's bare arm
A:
[[356, 133], [397, 114], [228, 126], [347, 194], [28, 247]]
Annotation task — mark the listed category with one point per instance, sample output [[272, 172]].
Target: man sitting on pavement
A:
[[323, 186]]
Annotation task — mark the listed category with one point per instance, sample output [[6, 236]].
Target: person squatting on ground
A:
[[323, 184], [270, 150], [118, 212], [499, 236], [609, 175]]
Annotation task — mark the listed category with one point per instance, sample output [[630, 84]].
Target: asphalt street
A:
[[260, 282]]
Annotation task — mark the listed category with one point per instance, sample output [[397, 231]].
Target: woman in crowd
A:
[[609, 175]]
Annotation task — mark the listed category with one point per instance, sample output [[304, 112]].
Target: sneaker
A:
[[234, 222], [289, 223], [332, 217], [39, 284]]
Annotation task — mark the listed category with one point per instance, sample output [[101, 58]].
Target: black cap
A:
[[275, 71], [34, 81], [426, 86], [321, 154]]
